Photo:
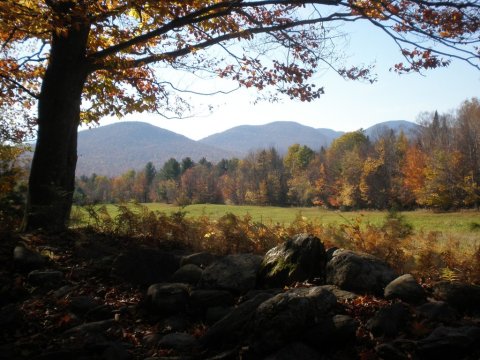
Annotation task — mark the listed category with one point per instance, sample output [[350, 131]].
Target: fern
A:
[[449, 274]]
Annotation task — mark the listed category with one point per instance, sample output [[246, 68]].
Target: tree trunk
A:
[[52, 176]]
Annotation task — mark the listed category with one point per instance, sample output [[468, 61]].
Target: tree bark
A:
[[52, 176]]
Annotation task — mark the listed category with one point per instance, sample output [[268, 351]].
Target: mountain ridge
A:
[[113, 149]]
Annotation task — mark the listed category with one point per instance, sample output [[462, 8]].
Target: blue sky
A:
[[346, 105]]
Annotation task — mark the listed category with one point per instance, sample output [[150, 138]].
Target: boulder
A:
[[252, 293], [232, 327], [287, 316], [299, 259], [451, 343], [388, 321], [47, 279], [26, 259], [201, 259], [341, 295], [358, 272], [168, 298], [92, 327], [437, 311], [236, 273], [144, 266], [188, 274], [180, 342], [405, 288], [82, 304], [216, 313], [463, 297], [344, 329], [332, 333], [203, 299]]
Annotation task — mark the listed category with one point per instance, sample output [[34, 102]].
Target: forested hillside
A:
[[114, 149], [279, 135], [438, 168]]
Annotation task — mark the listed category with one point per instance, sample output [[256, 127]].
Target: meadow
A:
[[463, 222]]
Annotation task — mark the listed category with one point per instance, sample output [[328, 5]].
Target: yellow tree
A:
[[79, 60]]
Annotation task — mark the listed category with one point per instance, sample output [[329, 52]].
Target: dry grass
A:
[[431, 255]]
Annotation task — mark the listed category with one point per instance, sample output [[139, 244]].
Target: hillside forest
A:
[[438, 168]]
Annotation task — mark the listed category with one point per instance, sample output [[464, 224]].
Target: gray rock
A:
[[92, 327], [299, 259], [358, 272], [231, 354], [203, 299], [405, 288], [341, 295], [45, 278], [189, 274], [201, 259], [144, 266], [253, 293], [168, 298], [332, 333], [287, 316], [388, 321], [236, 273], [463, 297], [232, 327], [451, 343], [27, 259], [345, 329], [216, 313], [82, 304], [296, 350], [181, 342], [63, 291], [101, 312], [151, 339], [437, 311]]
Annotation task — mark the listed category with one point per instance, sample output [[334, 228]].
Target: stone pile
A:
[[299, 301]]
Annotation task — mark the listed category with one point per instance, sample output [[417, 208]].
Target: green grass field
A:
[[421, 220]]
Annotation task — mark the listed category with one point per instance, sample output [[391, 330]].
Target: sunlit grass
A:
[[421, 220]]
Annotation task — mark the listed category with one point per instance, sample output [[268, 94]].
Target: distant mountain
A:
[[113, 149], [330, 134], [279, 134], [410, 129]]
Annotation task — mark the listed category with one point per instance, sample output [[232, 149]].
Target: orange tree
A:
[[68, 61]]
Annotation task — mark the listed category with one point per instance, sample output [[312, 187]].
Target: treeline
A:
[[439, 167]]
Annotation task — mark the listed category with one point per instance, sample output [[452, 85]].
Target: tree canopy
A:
[[124, 39]]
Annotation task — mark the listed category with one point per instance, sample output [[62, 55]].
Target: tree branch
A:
[[198, 16], [216, 40], [20, 86]]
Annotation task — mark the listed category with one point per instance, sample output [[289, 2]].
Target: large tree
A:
[[80, 60]]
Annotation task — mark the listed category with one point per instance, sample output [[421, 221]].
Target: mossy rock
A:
[[299, 259]]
